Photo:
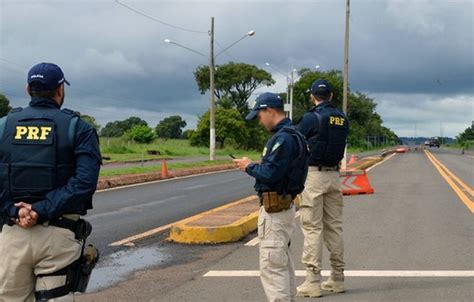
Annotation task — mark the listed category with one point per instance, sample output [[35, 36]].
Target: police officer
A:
[[326, 129], [278, 179], [49, 166]]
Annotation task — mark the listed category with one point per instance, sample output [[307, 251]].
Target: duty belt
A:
[[274, 202], [324, 168], [5, 220], [66, 222]]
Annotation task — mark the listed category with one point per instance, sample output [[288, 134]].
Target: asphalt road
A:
[[414, 222], [123, 212]]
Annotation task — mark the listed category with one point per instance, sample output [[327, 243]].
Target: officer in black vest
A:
[[49, 167], [278, 179], [326, 129]]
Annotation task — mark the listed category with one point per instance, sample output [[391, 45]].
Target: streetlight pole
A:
[[212, 104], [212, 86], [291, 93], [346, 73]]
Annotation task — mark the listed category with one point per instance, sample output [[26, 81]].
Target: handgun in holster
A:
[[77, 273]]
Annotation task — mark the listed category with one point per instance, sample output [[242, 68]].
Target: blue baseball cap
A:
[[321, 88], [45, 77], [265, 100]]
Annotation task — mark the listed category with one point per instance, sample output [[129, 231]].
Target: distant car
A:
[[434, 142], [427, 143]]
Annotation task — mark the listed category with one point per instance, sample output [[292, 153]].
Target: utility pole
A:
[[212, 105], [346, 72], [441, 133]]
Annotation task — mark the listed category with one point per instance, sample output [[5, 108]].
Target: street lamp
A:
[[290, 81], [212, 101]]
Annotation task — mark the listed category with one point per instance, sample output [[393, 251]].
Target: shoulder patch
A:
[[276, 146]]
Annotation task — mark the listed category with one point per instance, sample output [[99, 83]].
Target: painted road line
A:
[[162, 180], [256, 241], [377, 164], [466, 187], [252, 242], [469, 204], [368, 274], [129, 240]]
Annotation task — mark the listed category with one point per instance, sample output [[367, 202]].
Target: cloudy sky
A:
[[414, 57]]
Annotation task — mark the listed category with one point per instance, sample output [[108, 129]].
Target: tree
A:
[[230, 128], [363, 118], [466, 135], [90, 120], [118, 128], [4, 105], [170, 127], [235, 83], [141, 134], [187, 134]]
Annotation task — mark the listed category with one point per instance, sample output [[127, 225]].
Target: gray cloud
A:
[[401, 51]]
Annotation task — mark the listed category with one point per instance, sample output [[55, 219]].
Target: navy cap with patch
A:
[[265, 100], [45, 77], [321, 88]]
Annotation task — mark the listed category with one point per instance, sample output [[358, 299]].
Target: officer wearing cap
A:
[[49, 167], [278, 179], [326, 129]]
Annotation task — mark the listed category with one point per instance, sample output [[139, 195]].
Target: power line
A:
[[159, 21], [225, 51]]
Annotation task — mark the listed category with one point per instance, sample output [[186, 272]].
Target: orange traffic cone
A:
[[353, 159], [164, 169], [355, 182]]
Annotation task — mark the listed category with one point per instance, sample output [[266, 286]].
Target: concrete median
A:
[[227, 223]]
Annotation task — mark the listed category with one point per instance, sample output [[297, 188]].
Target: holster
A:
[[274, 203], [77, 273]]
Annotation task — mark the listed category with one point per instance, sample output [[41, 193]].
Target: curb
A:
[[210, 231], [365, 163], [131, 179]]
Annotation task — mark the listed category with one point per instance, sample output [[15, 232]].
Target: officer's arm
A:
[[308, 123], [6, 205], [80, 187], [275, 165]]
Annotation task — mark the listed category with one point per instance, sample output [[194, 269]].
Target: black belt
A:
[[6, 220], [324, 168], [61, 222], [64, 223]]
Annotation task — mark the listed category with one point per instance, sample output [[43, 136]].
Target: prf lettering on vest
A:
[[34, 133], [334, 120]]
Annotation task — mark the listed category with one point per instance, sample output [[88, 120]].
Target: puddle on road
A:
[[117, 266]]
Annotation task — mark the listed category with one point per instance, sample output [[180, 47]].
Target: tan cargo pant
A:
[[277, 272], [26, 253], [321, 219]]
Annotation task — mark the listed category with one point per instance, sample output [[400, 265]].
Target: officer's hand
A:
[[27, 218], [242, 163]]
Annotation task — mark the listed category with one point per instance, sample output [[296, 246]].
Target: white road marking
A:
[[388, 157], [129, 241], [376, 273], [253, 242]]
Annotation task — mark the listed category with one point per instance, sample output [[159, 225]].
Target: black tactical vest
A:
[[293, 181], [36, 151], [328, 145]]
